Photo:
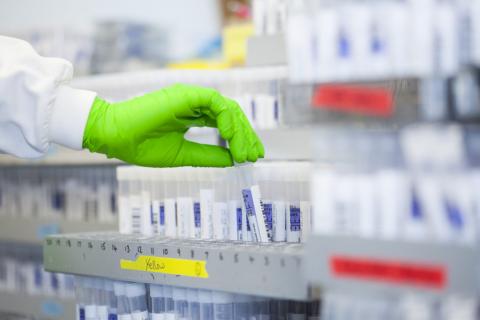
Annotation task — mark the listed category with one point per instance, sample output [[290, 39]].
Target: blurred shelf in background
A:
[[61, 156], [38, 306], [33, 231]]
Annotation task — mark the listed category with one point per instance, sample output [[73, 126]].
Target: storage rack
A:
[[272, 270], [279, 270]]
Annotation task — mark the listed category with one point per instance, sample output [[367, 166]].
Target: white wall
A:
[[188, 22]]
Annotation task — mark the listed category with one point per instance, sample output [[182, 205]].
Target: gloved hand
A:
[[149, 130]]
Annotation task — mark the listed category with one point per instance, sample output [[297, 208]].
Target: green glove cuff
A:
[[93, 135]]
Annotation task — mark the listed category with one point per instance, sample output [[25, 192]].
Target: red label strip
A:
[[372, 101], [429, 276]]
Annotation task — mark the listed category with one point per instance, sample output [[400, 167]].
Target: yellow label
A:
[[181, 267], [235, 38]]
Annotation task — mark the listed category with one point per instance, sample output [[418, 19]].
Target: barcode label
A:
[[162, 215], [239, 219], [267, 212], [136, 219], [251, 214], [196, 213], [295, 223], [153, 217], [81, 313]]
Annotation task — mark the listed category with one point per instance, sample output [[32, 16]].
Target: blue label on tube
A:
[[295, 218], [267, 212], [37, 275], [239, 219], [196, 214], [416, 207], [81, 314], [162, 215], [248, 200], [454, 215], [152, 215]]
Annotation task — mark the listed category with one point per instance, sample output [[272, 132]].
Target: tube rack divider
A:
[[273, 270]]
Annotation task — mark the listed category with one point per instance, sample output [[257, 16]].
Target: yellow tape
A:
[[181, 267]]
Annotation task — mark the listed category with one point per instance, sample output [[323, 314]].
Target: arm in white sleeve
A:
[[37, 107]]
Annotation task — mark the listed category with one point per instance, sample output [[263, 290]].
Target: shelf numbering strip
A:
[[267, 270]]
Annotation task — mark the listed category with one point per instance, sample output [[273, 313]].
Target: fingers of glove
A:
[[234, 127], [254, 146], [187, 100], [260, 147], [208, 103], [160, 151], [203, 155], [237, 145], [226, 124], [252, 153]]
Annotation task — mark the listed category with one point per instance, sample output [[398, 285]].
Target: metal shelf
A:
[[288, 143], [353, 264], [33, 231], [61, 156], [43, 307], [273, 270], [266, 50], [127, 84]]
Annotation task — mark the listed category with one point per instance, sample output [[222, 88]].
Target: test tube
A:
[[279, 208], [181, 303], [170, 204], [80, 298], [293, 220], [206, 304], [207, 199], [157, 209], [157, 302], [111, 299], [241, 307], [91, 299], [305, 203], [313, 310], [253, 205], [197, 209], [193, 304], [220, 209], [222, 305], [297, 310], [169, 303], [123, 307], [102, 299], [234, 206], [124, 217], [184, 203], [137, 300], [263, 174], [278, 309], [148, 219]]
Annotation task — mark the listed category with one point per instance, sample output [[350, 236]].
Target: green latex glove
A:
[[149, 130]]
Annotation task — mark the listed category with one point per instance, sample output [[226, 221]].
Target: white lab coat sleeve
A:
[[37, 107]]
